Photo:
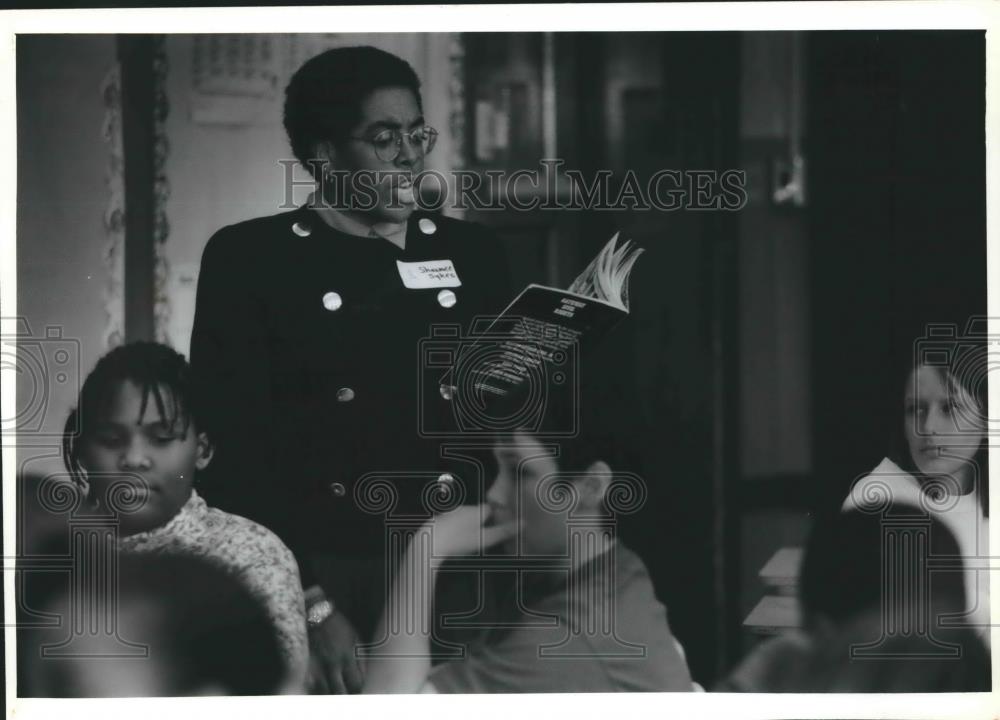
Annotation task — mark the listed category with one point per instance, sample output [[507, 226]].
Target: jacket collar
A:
[[393, 232]]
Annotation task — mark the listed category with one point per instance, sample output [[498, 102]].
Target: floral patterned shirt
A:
[[249, 552]]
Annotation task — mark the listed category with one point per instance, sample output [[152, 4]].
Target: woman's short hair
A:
[[323, 98]]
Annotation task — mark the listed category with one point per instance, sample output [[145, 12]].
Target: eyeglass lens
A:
[[388, 144]]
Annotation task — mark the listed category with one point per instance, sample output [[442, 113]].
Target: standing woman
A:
[[307, 335], [938, 460]]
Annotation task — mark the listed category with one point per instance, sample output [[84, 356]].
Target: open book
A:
[[534, 345], [606, 278]]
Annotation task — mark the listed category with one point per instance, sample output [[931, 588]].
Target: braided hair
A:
[[159, 371]]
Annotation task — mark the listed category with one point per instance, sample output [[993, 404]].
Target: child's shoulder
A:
[[237, 531], [886, 483]]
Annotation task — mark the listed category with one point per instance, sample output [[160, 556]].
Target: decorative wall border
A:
[[456, 106], [161, 193], [114, 211]]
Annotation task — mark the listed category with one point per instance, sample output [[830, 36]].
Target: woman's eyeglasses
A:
[[388, 143]]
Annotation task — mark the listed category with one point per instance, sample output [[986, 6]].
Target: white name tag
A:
[[428, 274]]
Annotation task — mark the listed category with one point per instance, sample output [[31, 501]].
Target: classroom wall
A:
[[65, 260]]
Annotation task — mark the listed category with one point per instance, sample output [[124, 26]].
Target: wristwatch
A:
[[318, 606], [318, 612]]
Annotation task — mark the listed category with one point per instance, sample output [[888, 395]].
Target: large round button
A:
[[338, 489], [447, 299], [345, 394], [302, 229], [447, 391], [332, 301], [427, 226]]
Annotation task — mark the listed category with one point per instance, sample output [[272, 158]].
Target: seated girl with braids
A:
[[141, 439]]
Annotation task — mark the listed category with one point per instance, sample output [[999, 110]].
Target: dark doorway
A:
[[897, 222]]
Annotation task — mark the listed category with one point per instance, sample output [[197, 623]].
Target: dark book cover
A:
[[510, 368]]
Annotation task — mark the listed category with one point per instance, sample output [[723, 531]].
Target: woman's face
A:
[[383, 190], [141, 452], [943, 424]]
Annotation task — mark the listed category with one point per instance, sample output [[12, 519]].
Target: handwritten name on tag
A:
[[428, 274]]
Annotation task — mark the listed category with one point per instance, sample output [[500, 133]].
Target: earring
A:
[[92, 500], [82, 485]]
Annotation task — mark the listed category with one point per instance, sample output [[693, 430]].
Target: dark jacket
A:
[[304, 401]]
